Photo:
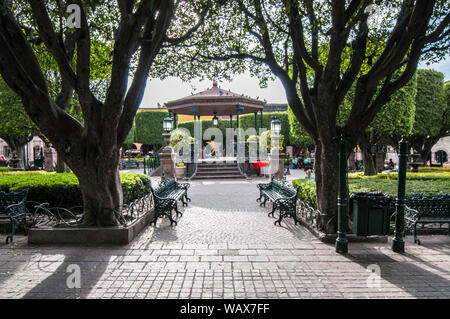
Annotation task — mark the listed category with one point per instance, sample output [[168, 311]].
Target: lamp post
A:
[[276, 158], [341, 240], [275, 128], [167, 127], [215, 120], [167, 157], [398, 244]]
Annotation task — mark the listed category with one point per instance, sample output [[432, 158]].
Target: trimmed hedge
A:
[[440, 169], [8, 173], [409, 176], [62, 189], [149, 127], [246, 121], [387, 186], [307, 191]]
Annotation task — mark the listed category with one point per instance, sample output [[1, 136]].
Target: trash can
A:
[[370, 213]]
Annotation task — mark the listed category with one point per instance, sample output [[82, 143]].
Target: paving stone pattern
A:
[[225, 246]]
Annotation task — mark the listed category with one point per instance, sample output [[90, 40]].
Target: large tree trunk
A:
[[369, 164], [102, 193], [326, 172], [61, 166]]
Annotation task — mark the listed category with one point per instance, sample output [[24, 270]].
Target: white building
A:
[[34, 149], [442, 145]]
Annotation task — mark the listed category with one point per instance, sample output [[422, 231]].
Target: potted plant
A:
[[180, 170]]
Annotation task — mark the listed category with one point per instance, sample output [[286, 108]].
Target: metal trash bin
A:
[[370, 213]]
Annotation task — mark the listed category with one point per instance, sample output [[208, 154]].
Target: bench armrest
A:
[[16, 210], [183, 185], [262, 186], [412, 214]]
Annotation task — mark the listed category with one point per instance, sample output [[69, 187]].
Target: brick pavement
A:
[[225, 246]]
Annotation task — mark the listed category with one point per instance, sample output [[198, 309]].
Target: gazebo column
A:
[[194, 111], [261, 119], [256, 130]]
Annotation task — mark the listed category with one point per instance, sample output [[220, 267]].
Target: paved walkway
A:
[[225, 246]]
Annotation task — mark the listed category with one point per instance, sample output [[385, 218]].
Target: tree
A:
[[306, 44], [432, 120], [298, 136], [125, 36], [16, 127], [395, 119]]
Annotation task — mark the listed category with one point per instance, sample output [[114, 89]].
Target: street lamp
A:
[[275, 125], [167, 127], [167, 124], [215, 120]]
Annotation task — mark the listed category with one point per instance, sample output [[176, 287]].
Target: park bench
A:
[[166, 197], [427, 210], [283, 197], [12, 208], [130, 163]]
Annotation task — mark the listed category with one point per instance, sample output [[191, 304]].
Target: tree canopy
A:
[[432, 118], [14, 120], [107, 44], [318, 50], [431, 106]]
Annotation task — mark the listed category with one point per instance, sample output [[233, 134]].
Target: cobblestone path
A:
[[225, 246]]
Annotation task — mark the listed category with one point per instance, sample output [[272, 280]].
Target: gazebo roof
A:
[[215, 101]]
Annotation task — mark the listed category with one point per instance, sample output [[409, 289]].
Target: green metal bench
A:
[[166, 197], [130, 163], [427, 210], [283, 197], [12, 208]]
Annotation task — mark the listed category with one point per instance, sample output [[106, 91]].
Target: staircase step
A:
[[218, 170], [215, 169], [219, 177]]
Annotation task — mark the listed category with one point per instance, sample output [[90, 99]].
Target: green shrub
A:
[[62, 190], [441, 169], [149, 128], [409, 176], [307, 191], [245, 121], [7, 173], [426, 187]]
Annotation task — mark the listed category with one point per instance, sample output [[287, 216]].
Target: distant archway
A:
[[441, 156]]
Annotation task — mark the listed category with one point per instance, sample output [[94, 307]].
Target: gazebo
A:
[[222, 103], [217, 102]]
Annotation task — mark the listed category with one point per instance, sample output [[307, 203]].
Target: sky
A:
[[162, 91]]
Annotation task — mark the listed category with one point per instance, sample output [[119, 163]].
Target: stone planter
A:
[[180, 172], [90, 235]]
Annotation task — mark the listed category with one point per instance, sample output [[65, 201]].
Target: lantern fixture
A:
[[168, 124], [215, 120], [275, 125]]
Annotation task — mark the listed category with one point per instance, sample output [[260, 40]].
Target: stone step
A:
[[216, 165], [215, 169], [219, 170], [218, 176]]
